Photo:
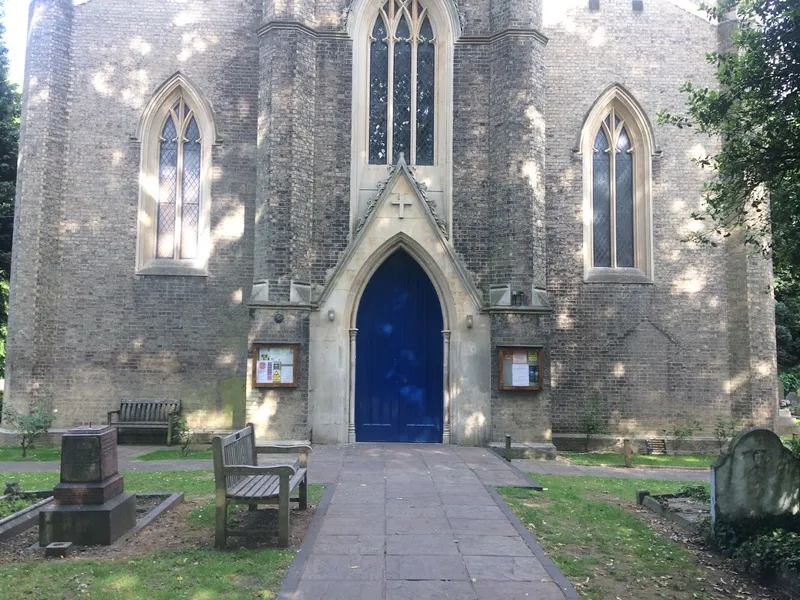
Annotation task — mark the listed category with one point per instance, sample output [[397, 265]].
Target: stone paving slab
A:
[[420, 521]]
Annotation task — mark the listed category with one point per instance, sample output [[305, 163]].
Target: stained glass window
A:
[[613, 240], [402, 63], [179, 166]]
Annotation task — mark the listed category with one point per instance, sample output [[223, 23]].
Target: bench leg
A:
[[169, 433], [252, 507], [283, 512], [304, 493], [221, 528]]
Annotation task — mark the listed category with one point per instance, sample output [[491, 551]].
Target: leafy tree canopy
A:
[[756, 111], [9, 145]]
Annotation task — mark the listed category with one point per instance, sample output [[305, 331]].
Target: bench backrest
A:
[[150, 410], [238, 448]]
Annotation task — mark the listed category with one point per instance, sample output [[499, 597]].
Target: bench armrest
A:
[[250, 470], [301, 449], [112, 412]]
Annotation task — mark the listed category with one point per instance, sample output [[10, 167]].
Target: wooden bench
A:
[[239, 480], [146, 413]]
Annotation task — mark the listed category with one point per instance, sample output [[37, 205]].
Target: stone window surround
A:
[[447, 29], [642, 139], [148, 135]]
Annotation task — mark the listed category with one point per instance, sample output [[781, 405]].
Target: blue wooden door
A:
[[399, 356]]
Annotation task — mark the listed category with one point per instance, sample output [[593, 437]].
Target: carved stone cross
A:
[[401, 202]]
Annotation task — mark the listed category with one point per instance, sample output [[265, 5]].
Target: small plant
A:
[[182, 434], [683, 431], [724, 430], [793, 445], [592, 419], [698, 491], [30, 427]]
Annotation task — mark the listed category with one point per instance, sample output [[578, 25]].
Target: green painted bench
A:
[[146, 413], [239, 480]]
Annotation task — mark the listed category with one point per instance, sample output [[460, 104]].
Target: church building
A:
[[385, 220]]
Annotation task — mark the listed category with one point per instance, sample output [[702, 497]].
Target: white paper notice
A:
[[519, 376], [264, 371], [287, 374]]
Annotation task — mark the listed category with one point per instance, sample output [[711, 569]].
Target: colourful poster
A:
[[533, 357], [520, 358]]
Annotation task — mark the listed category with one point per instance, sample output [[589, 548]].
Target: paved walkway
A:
[[402, 522], [326, 462]]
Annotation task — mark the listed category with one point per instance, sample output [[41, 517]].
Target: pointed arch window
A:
[[177, 134], [612, 187], [179, 176], [402, 67], [617, 152]]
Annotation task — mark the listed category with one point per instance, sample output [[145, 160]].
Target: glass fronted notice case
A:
[[519, 368]]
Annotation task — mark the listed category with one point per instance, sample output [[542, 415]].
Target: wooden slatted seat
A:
[[146, 413], [239, 480]]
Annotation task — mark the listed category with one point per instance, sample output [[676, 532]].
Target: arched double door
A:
[[399, 356]]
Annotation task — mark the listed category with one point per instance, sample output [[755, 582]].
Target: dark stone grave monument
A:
[[90, 507]]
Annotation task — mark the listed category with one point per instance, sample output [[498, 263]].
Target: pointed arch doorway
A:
[[399, 356]]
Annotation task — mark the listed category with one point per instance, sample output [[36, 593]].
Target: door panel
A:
[[399, 356]]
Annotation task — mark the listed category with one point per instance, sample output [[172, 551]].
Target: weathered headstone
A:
[[757, 478], [787, 423], [90, 506]]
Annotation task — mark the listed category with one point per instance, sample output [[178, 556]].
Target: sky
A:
[[16, 22]]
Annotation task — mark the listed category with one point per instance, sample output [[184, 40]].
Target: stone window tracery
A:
[[612, 195], [179, 163], [617, 148], [177, 134], [402, 67]]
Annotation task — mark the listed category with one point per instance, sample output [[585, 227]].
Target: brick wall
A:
[[85, 330]]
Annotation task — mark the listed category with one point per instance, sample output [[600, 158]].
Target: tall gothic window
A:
[[617, 148], [179, 162], [177, 135], [612, 195], [402, 63]]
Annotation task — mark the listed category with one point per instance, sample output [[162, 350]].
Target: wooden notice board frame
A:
[[257, 347], [505, 359]]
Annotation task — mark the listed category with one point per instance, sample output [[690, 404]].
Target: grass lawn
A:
[[45, 453], [602, 548], [191, 483], [611, 458], [197, 574], [176, 454]]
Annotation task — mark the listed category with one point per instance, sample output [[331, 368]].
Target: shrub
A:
[[698, 491], [765, 555], [724, 430], [30, 427], [182, 434], [592, 419], [790, 380], [793, 445], [682, 431]]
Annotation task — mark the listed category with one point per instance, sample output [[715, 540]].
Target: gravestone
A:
[[756, 478], [787, 423], [90, 506]]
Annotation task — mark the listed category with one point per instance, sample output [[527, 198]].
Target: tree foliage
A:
[[756, 111], [9, 145], [756, 170]]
